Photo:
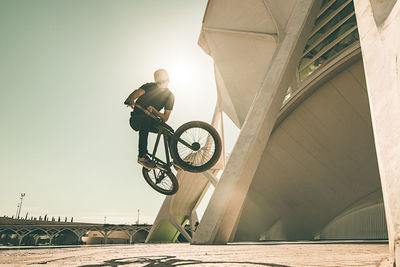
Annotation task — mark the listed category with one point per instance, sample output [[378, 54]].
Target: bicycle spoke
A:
[[160, 179], [206, 142], [166, 184]]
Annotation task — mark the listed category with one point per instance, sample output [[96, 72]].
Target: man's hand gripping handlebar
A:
[[148, 113]]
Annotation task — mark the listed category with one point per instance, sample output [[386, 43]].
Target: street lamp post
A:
[[19, 206]]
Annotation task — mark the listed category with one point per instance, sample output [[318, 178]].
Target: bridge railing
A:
[[53, 231]]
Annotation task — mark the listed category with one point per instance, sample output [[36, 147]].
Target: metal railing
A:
[[334, 29]]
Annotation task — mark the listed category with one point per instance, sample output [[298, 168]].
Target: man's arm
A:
[[130, 101], [164, 116]]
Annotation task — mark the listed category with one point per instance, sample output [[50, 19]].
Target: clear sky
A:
[[66, 66]]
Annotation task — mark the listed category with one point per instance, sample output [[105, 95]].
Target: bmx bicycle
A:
[[194, 147]]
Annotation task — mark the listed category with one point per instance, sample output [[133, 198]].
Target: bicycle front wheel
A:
[[164, 182], [205, 142]]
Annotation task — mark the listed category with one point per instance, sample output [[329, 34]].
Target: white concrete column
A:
[[219, 222], [211, 177], [180, 228], [379, 28]]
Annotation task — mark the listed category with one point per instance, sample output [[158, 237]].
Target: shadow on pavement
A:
[[172, 261]]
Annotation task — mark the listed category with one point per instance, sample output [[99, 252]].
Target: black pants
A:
[[144, 125]]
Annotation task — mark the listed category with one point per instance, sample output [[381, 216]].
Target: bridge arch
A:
[[9, 236], [35, 237], [140, 236], [66, 237], [8, 231]]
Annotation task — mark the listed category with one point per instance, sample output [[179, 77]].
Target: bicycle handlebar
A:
[[148, 113]]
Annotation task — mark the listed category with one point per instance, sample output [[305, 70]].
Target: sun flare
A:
[[180, 74]]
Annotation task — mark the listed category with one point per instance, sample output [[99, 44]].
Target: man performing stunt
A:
[[154, 97]]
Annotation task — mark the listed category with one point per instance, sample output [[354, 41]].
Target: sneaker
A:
[[146, 162]]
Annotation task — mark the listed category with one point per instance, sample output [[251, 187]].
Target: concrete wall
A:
[[319, 160]]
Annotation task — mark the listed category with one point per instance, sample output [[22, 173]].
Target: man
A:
[[154, 97]]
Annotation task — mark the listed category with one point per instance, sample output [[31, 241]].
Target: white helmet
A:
[[161, 75]]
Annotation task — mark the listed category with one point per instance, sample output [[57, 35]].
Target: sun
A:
[[180, 74]]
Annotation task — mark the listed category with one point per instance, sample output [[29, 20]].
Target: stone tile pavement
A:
[[278, 254]]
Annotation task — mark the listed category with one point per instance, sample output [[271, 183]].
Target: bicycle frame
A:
[[165, 131], [160, 163]]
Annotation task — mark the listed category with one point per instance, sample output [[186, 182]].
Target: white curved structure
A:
[[324, 165], [320, 159]]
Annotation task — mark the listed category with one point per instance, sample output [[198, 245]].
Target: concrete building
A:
[[314, 87]]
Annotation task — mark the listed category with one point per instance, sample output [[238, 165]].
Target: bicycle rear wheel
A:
[[206, 141], [162, 181]]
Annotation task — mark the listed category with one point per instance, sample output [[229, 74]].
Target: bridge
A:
[[31, 232]]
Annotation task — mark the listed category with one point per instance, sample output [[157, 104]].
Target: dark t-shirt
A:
[[156, 97]]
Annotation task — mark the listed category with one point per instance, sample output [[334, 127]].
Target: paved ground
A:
[[253, 254]]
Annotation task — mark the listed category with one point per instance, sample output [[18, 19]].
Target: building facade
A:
[[314, 87]]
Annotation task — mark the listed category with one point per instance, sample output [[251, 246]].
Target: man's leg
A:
[[143, 158], [138, 123], [146, 127], [143, 136]]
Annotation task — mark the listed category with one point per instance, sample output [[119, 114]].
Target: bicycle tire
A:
[[210, 149], [151, 175]]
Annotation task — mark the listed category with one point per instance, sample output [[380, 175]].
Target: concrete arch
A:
[[66, 237], [371, 199], [9, 236], [140, 236], [34, 237], [8, 230], [367, 222], [80, 232]]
